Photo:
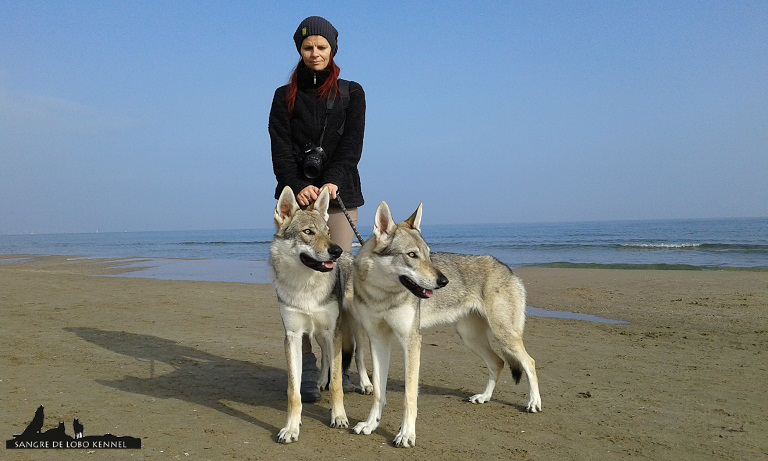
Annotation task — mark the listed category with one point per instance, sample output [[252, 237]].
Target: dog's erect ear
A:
[[414, 222], [383, 224], [321, 204], [286, 207]]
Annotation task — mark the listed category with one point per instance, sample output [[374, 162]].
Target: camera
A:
[[313, 161]]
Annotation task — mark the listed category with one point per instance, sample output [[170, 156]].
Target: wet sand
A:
[[197, 370]]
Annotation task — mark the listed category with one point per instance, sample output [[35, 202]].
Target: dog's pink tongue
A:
[[328, 265], [428, 293]]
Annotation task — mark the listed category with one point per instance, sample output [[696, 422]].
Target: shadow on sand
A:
[[212, 381], [197, 376]]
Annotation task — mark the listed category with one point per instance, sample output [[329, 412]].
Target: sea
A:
[[241, 255]]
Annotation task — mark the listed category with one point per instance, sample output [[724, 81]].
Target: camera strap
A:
[[344, 93], [328, 108]]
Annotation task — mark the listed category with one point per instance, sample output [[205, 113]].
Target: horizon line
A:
[[97, 231]]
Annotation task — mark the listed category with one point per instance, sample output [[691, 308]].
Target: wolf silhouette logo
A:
[[36, 424], [78, 429], [34, 437]]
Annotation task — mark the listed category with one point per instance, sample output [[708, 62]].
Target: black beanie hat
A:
[[315, 25]]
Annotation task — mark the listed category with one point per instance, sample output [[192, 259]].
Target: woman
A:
[[303, 119]]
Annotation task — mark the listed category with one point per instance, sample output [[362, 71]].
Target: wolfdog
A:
[[306, 264], [392, 295]]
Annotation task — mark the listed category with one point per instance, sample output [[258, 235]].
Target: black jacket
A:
[[290, 134]]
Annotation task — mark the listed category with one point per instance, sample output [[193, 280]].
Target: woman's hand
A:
[[332, 189], [308, 195]]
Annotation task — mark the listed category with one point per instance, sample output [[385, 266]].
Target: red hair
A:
[[327, 90]]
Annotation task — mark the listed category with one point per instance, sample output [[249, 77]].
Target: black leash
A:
[[344, 209]]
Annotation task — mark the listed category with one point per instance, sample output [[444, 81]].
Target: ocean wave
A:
[[720, 247], [697, 246], [658, 266], [662, 246], [257, 242]]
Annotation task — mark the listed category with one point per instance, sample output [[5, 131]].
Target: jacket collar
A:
[[307, 78]]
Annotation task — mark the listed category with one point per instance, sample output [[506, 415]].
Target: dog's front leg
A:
[[325, 340], [290, 433], [338, 415], [380, 352], [330, 345], [406, 438], [352, 328], [362, 348]]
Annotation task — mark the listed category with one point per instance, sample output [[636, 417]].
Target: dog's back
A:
[[475, 283]]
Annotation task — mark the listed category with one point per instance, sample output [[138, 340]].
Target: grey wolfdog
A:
[[307, 268], [392, 296]]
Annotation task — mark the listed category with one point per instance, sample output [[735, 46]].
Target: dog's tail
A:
[[346, 357], [516, 367]]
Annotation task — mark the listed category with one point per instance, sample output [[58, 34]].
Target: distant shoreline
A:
[[665, 245], [259, 272]]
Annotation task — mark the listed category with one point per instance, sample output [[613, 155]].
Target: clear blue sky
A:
[[126, 116]]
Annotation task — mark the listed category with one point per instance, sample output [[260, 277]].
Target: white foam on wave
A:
[[662, 246]]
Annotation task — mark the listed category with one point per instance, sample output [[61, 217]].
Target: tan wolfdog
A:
[[306, 265], [391, 295]]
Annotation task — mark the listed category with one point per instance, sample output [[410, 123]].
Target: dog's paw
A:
[[480, 398], [288, 434], [405, 439], [534, 405], [366, 390], [339, 421], [364, 428]]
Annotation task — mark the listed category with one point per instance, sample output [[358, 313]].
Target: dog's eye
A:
[[309, 232], [412, 255]]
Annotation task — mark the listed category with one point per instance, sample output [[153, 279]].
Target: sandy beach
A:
[[197, 370]]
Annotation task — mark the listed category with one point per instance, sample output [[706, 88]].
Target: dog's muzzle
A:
[[312, 263], [414, 288], [420, 291]]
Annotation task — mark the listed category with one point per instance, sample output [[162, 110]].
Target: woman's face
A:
[[316, 52]]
